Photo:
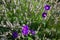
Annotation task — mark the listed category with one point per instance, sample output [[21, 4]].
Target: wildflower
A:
[[47, 7], [25, 30], [32, 32], [15, 34], [44, 14]]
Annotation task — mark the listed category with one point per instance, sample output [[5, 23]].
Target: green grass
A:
[[29, 12]]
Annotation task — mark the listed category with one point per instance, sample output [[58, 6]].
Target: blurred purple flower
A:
[[15, 34], [44, 14], [32, 32], [25, 30], [47, 7]]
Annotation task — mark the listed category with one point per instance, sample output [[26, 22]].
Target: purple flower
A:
[[44, 14], [32, 32], [47, 7], [15, 34], [25, 30]]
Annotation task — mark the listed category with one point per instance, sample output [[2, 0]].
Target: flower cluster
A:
[[25, 30], [46, 7]]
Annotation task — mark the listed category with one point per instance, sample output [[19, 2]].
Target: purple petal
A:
[[44, 14], [47, 7], [25, 30], [32, 32], [15, 34]]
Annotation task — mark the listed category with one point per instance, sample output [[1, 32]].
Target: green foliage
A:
[[19, 12]]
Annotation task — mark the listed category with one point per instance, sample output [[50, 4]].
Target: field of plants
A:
[[29, 19]]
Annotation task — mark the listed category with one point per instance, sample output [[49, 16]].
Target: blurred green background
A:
[[15, 13]]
